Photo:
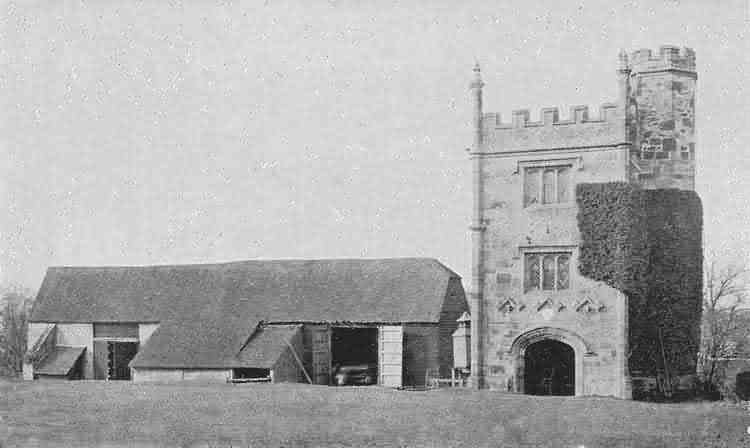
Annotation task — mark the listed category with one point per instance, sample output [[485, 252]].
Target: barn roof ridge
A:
[[219, 264]]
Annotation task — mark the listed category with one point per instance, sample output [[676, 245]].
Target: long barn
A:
[[290, 320]]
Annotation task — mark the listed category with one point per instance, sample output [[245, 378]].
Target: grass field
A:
[[87, 413]]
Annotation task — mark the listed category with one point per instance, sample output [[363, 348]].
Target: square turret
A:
[[660, 117]]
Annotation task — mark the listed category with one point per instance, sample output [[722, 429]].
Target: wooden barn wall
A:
[[100, 360], [207, 375], [309, 348], [287, 369], [421, 352], [144, 375], [156, 375], [116, 330], [454, 306]]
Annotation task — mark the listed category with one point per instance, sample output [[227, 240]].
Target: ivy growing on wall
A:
[[647, 244]]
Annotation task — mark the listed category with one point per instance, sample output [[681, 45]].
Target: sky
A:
[[137, 133]]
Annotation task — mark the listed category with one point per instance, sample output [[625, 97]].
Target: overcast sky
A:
[[201, 131]]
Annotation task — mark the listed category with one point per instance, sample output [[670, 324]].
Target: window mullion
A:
[[554, 269], [540, 260], [555, 180], [540, 194]]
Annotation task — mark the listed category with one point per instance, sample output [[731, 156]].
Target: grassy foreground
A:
[[88, 413]]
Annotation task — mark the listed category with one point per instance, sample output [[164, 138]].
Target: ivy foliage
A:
[[648, 244]]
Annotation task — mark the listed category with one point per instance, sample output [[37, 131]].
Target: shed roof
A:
[[266, 346], [59, 361]]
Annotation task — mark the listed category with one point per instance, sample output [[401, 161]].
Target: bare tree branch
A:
[[725, 292]]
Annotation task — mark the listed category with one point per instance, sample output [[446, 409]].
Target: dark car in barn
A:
[[357, 375]]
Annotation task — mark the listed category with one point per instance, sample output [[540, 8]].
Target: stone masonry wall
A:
[[661, 104], [647, 139], [591, 311]]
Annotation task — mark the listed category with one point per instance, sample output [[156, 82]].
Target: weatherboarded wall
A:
[[421, 352], [454, 306], [208, 375], [287, 368], [174, 375], [316, 340]]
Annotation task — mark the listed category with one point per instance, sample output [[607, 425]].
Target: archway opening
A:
[[549, 368]]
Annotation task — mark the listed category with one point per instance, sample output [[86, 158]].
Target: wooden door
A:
[[390, 355], [321, 351]]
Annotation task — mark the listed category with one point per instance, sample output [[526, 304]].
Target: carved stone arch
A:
[[525, 339]]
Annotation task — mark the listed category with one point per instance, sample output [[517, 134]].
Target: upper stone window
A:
[[548, 271], [546, 185]]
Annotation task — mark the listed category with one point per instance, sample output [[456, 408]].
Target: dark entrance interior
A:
[[354, 347], [251, 373], [549, 369], [743, 385], [119, 355]]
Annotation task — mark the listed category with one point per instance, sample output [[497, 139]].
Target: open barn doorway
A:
[[354, 355], [549, 368], [119, 355], [112, 359]]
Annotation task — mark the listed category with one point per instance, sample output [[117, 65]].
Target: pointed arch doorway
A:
[[549, 361], [549, 368]]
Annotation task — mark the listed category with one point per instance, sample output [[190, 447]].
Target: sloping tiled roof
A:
[[59, 361], [195, 343], [360, 290], [267, 345], [207, 312]]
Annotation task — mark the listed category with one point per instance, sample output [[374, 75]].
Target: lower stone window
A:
[[548, 271]]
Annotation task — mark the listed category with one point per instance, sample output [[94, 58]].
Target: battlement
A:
[[550, 131], [550, 116], [668, 57]]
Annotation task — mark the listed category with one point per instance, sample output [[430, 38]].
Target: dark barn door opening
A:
[[119, 355], [354, 355], [549, 368], [247, 373]]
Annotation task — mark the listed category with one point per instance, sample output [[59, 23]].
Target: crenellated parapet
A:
[[550, 116], [551, 131], [668, 57]]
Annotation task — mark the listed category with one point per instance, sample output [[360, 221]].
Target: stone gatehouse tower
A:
[[538, 325]]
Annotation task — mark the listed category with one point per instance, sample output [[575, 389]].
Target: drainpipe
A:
[[477, 236]]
